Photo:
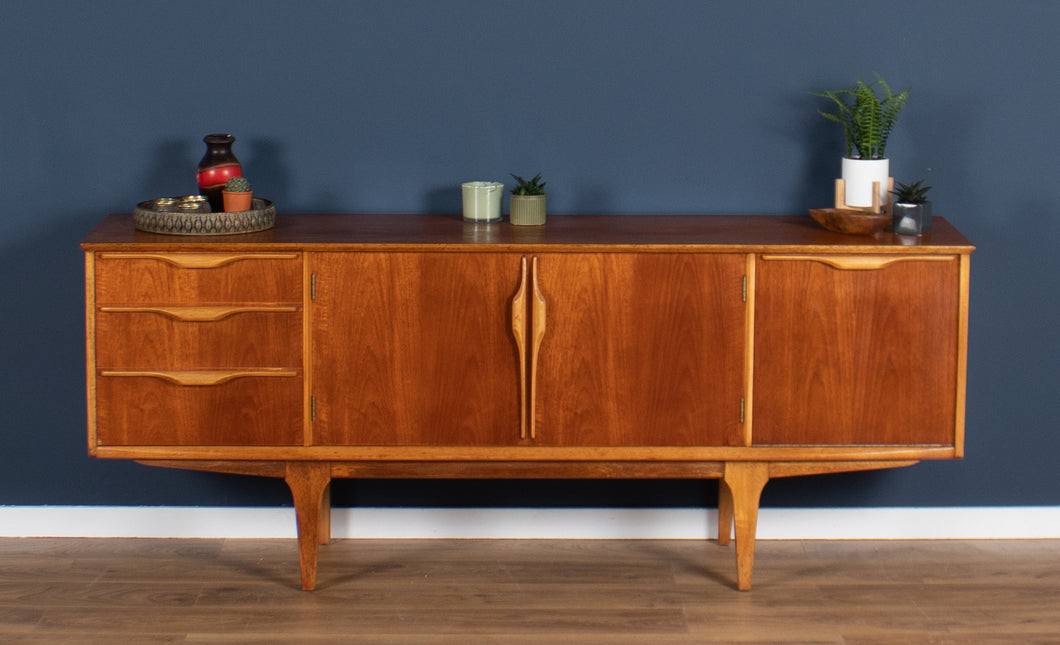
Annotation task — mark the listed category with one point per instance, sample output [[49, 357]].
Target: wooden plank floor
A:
[[528, 591]]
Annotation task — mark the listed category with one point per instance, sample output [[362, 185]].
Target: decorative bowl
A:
[[850, 220], [158, 216]]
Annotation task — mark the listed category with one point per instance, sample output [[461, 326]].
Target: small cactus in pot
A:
[[237, 195]]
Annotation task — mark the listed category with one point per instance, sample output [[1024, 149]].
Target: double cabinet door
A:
[[549, 349]]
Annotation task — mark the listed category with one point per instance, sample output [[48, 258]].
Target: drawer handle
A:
[[199, 260], [202, 377], [198, 314], [859, 262]]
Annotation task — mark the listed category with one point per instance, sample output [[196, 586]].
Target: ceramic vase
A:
[[218, 165]]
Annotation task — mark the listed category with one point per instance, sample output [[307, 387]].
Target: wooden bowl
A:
[[850, 220]]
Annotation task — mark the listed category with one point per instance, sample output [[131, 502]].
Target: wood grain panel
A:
[[856, 356], [248, 411], [641, 350], [146, 340], [415, 349], [144, 279]]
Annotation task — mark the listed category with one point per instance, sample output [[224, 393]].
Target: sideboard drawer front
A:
[[166, 339], [198, 278], [154, 411]]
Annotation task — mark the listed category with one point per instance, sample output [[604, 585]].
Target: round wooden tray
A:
[[148, 216]]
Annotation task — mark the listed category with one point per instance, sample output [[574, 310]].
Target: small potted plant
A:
[[237, 195], [528, 202], [912, 210], [867, 122]]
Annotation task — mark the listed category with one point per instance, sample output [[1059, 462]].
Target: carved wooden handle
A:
[[200, 260], [537, 326], [201, 377], [198, 314], [519, 331], [859, 262]]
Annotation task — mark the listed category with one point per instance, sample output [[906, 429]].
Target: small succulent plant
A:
[[532, 187], [913, 193], [237, 185]]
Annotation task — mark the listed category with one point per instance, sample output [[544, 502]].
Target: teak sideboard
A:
[[738, 348]]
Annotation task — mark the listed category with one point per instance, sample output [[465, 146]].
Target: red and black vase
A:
[[217, 166]]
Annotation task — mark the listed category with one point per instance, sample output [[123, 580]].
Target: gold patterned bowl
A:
[[850, 220], [158, 216]]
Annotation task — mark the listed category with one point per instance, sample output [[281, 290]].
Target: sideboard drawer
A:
[[161, 409], [198, 278], [189, 338]]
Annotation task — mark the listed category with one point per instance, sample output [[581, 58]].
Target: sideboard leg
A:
[[745, 481], [325, 515], [725, 513], [309, 481]]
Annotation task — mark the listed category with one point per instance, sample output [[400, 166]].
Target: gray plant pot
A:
[[911, 219]]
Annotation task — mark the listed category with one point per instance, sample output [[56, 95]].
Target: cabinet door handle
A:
[[519, 304], [198, 314], [537, 326]]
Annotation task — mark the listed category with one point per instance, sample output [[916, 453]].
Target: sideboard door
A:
[[640, 349], [854, 350], [414, 349]]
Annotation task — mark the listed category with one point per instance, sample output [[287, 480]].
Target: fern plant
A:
[[529, 187], [867, 120], [913, 193]]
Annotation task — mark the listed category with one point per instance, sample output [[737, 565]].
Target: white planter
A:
[[858, 175], [527, 210]]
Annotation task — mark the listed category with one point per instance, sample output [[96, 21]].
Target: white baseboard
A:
[[1010, 522]]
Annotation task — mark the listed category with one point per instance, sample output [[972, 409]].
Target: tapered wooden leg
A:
[[724, 513], [309, 481], [325, 515], [745, 481]]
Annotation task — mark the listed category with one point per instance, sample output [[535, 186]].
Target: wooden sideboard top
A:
[[395, 232]]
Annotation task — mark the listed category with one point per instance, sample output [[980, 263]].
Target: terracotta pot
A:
[[237, 202]]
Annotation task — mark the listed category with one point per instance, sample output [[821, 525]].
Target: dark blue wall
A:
[[658, 106]]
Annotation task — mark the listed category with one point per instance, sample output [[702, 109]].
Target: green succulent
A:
[[912, 193], [237, 185], [867, 120], [532, 187]]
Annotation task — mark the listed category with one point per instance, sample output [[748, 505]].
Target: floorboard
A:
[[444, 592]]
